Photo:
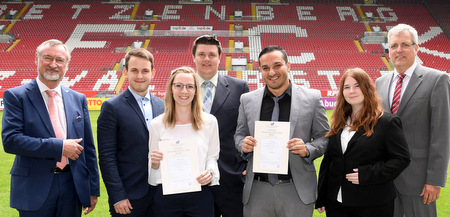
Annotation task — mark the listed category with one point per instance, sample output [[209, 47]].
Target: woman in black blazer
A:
[[366, 151]]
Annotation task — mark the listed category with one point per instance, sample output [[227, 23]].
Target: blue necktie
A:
[[207, 100]]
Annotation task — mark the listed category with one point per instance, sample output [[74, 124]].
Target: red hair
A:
[[370, 112]]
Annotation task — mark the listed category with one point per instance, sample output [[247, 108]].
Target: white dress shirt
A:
[[59, 102], [346, 136], [406, 79]]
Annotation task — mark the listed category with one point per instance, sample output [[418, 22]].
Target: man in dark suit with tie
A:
[[123, 138], [420, 96], [221, 99], [55, 171]]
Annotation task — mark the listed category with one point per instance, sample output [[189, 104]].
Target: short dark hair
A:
[[272, 48], [208, 40], [139, 52]]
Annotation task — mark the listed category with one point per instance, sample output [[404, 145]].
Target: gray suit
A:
[[424, 110], [308, 122]]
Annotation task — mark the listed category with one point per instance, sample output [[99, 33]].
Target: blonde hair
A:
[[169, 102]]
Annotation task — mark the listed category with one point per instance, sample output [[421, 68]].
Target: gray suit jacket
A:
[[425, 113], [308, 121]]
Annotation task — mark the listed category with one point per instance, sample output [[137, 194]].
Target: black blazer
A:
[[379, 158]]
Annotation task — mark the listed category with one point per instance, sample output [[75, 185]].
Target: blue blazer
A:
[[28, 133], [226, 109], [122, 137]]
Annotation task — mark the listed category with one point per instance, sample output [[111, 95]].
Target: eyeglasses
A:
[[49, 59], [180, 86], [403, 45]]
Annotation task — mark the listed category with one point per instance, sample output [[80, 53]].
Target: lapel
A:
[[70, 110], [219, 99], [338, 141], [156, 110], [134, 105], [384, 90], [35, 96], [296, 100], [255, 111], [353, 139], [414, 82]]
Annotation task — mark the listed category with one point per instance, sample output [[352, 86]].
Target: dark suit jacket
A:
[[28, 133], [379, 159], [122, 137], [226, 109]]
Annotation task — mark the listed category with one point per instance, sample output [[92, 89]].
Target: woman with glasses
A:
[[366, 151], [183, 119]]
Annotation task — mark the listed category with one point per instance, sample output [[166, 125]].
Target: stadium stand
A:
[[323, 38]]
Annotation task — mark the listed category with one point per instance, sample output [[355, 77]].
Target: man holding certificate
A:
[[184, 148], [280, 130]]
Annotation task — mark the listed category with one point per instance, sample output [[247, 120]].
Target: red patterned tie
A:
[[397, 93], [54, 117]]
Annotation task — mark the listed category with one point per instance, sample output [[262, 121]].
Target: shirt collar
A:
[[408, 72], [214, 79], [287, 91], [137, 96], [43, 87]]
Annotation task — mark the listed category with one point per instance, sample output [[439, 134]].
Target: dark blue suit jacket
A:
[[28, 133], [122, 137], [226, 109]]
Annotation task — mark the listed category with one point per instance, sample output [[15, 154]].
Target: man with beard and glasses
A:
[[47, 127]]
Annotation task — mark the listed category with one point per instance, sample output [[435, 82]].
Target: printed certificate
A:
[[271, 154], [179, 167]]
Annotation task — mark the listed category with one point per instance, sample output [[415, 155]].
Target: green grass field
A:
[[102, 207]]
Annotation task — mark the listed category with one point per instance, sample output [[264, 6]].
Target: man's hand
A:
[[94, 200], [248, 144], [297, 146], [430, 193], [123, 207], [72, 149]]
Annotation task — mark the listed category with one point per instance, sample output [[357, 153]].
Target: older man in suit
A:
[[292, 194], [420, 96], [123, 136], [221, 99], [47, 127]]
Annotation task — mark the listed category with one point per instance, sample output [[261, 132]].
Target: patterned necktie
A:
[[207, 100], [54, 117], [397, 93]]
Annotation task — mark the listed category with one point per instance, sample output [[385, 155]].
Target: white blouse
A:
[[208, 149], [346, 136]]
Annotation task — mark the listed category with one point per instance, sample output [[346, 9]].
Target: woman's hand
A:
[[321, 209], [353, 177], [205, 177], [156, 157]]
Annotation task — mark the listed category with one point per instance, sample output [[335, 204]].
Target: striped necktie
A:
[[397, 93], [207, 100]]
